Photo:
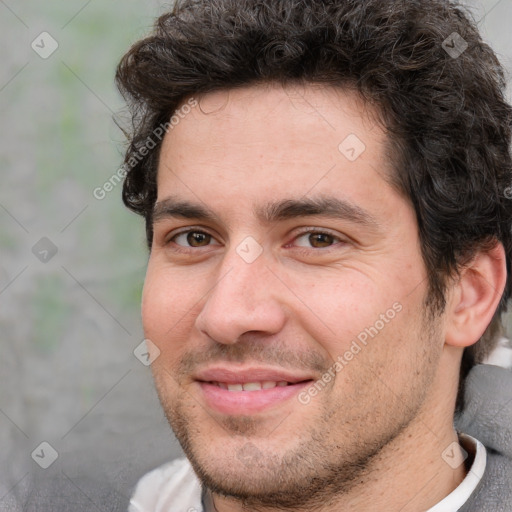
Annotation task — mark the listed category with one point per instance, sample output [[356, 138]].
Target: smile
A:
[[251, 386], [245, 390]]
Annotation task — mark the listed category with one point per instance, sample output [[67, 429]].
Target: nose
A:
[[245, 298]]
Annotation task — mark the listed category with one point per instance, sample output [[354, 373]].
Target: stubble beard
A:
[[315, 469], [310, 474]]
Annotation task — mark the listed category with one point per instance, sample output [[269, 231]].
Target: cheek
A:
[[167, 324], [362, 321], [154, 304], [165, 304], [340, 307]]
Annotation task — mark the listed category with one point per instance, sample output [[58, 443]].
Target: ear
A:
[[475, 297]]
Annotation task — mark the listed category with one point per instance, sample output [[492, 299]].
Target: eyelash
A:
[[307, 231]]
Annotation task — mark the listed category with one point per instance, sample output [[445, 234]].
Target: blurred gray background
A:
[[72, 266]]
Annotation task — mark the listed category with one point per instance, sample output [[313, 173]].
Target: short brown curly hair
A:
[[448, 121]]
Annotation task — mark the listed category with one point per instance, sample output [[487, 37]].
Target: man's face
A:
[[307, 255]]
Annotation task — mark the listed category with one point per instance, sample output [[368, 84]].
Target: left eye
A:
[[317, 240], [193, 239]]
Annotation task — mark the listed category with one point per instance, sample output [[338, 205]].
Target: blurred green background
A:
[[70, 321], [72, 266]]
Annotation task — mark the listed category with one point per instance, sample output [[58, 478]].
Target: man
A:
[[326, 192]]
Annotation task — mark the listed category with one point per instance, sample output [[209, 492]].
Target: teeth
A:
[[251, 386]]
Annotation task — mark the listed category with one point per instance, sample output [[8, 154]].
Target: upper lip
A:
[[232, 375]]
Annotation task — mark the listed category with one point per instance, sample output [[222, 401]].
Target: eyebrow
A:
[[271, 212]]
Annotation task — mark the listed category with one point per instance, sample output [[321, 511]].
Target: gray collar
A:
[[207, 501]]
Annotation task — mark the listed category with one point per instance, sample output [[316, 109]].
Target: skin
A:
[[373, 437]]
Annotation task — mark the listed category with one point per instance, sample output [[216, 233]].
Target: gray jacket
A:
[[487, 416]]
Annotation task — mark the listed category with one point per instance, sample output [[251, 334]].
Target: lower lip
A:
[[248, 402]]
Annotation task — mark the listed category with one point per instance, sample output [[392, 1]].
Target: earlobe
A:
[[476, 296]]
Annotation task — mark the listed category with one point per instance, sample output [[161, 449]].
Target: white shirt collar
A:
[[461, 494]]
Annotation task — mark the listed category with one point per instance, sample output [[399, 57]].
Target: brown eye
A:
[[198, 239], [320, 240], [193, 239]]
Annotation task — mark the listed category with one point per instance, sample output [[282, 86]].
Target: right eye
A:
[[193, 238]]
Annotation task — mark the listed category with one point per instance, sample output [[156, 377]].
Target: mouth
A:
[[251, 386], [244, 392]]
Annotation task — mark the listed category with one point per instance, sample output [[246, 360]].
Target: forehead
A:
[[264, 141]]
